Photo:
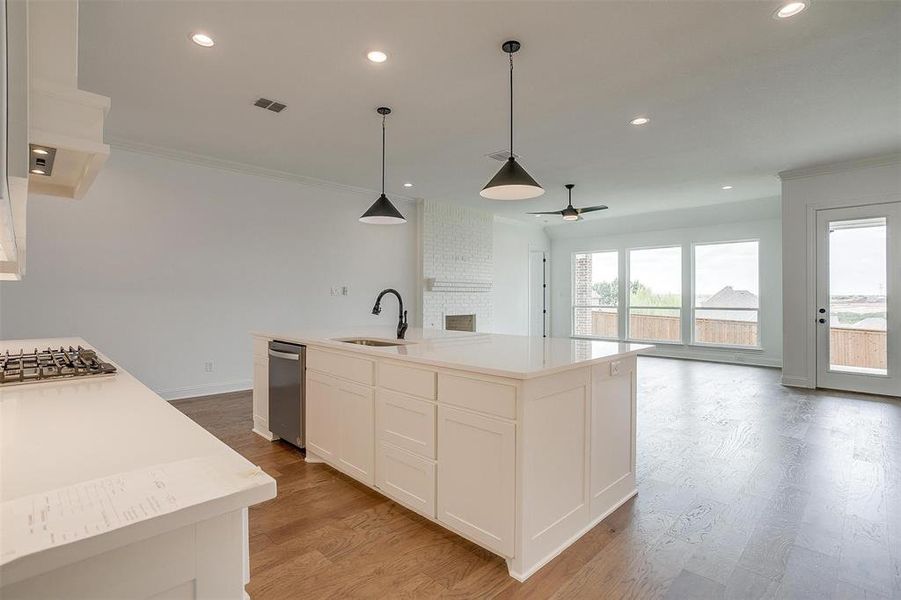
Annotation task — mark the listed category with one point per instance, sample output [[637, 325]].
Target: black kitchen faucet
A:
[[402, 316]]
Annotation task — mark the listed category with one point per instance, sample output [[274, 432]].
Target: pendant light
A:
[[511, 182], [382, 212]]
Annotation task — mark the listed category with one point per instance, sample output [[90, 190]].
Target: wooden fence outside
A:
[[849, 347], [857, 347]]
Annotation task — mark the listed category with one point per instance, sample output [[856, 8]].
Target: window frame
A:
[[693, 308], [627, 335], [686, 311], [573, 306]]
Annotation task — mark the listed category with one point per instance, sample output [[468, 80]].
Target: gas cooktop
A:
[[51, 364]]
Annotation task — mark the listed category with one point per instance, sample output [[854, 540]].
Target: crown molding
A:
[[222, 164], [880, 160]]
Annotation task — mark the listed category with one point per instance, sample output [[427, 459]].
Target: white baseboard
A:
[[261, 428], [730, 356], [801, 382], [193, 391]]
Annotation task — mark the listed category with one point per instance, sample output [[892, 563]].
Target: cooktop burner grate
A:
[[51, 364]]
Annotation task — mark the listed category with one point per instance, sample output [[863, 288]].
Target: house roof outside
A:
[[726, 298]]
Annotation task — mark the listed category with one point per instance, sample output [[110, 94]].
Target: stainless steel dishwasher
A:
[[287, 386]]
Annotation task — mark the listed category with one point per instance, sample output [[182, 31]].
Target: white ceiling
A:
[[734, 95]]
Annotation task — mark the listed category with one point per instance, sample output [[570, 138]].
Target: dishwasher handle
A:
[[285, 355]]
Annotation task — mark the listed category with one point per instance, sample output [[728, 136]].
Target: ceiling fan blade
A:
[[550, 212], [588, 209]]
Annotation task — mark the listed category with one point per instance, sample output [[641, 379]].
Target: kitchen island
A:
[[110, 492], [519, 444]]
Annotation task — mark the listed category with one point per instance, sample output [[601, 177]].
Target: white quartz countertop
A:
[[514, 356], [58, 435]]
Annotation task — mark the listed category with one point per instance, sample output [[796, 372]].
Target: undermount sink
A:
[[369, 342]]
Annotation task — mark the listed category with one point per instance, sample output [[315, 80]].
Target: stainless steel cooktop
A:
[[51, 364]]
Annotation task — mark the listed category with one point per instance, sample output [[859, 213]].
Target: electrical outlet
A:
[[615, 367], [208, 366]]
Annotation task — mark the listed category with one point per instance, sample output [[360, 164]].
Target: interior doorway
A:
[[538, 294]]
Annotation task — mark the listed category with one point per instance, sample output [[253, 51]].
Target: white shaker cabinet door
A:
[[356, 448], [476, 470], [323, 405]]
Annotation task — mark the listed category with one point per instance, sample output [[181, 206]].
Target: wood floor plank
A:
[[691, 586]]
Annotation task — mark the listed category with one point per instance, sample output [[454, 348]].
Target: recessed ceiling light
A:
[[377, 56], [408, 184], [40, 151], [640, 121], [38, 172], [727, 187], [202, 39], [790, 9]]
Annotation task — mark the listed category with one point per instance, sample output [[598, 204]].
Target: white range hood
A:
[[14, 154], [62, 117]]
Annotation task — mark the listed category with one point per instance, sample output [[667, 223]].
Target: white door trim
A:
[[889, 384], [810, 273], [533, 285]]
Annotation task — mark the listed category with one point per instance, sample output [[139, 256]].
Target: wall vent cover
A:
[[272, 105], [502, 155]]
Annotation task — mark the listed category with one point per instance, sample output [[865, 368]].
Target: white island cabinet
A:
[[108, 491], [518, 444]]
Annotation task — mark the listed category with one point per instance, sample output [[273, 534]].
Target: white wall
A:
[[869, 181], [757, 219], [166, 265], [510, 295]]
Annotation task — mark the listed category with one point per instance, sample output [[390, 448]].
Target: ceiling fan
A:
[[569, 213]]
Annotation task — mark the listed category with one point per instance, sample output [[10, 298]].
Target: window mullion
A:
[[622, 295]]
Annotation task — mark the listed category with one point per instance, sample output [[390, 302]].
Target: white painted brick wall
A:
[[457, 245]]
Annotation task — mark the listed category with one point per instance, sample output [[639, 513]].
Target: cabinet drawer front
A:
[[408, 479], [341, 365], [409, 380], [476, 472], [478, 395], [406, 422]]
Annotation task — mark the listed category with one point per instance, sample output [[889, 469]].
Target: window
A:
[[726, 303], [655, 294], [596, 294]]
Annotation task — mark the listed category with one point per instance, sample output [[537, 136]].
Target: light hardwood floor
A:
[[747, 489]]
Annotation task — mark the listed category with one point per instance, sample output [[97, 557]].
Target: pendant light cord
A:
[[511, 105], [383, 154]]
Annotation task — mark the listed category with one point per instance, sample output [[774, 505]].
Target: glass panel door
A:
[[858, 299]]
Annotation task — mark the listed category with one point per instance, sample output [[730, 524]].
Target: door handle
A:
[[821, 320], [285, 355], [822, 310]]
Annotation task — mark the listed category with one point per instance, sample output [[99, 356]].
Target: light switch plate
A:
[[615, 367]]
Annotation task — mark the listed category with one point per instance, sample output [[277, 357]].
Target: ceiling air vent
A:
[[270, 105], [502, 155]]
